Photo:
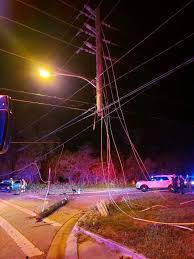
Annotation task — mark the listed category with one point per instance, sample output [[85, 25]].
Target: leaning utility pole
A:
[[99, 65], [88, 47]]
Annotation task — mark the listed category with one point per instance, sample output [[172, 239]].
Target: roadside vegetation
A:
[[153, 240]]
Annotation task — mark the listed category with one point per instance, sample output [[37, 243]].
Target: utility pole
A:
[[99, 65], [88, 47]]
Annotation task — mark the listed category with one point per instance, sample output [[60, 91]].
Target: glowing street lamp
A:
[[46, 74]]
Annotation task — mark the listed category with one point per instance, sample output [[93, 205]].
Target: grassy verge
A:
[[154, 241]]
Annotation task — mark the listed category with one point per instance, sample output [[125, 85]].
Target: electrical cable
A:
[[114, 143], [38, 31], [68, 60], [44, 95], [47, 14], [176, 224], [108, 128], [124, 126], [151, 33], [62, 127], [67, 99], [107, 106], [57, 163], [137, 157], [111, 11], [48, 104], [131, 93], [155, 80], [70, 6], [154, 57]]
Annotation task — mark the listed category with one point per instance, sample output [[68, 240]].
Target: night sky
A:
[[160, 119]]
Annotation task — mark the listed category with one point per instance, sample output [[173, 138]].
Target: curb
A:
[[107, 242], [63, 245]]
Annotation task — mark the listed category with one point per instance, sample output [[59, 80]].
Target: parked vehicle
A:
[[10, 185], [155, 182]]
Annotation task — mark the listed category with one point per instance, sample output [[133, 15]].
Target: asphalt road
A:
[[21, 236]]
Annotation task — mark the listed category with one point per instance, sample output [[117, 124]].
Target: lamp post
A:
[[46, 74]]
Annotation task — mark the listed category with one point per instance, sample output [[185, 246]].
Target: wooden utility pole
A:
[[99, 65]]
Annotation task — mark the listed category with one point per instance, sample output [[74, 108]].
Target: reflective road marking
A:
[[31, 213], [26, 246]]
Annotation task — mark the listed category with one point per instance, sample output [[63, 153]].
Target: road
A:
[[21, 236]]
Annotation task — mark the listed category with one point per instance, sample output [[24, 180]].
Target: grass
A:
[[154, 241]]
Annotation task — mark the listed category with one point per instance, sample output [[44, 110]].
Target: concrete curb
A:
[[71, 251], [64, 245], [107, 242]]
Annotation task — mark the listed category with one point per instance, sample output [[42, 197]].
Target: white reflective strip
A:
[[24, 244], [31, 213]]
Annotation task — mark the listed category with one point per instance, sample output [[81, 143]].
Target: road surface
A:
[[21, 236]]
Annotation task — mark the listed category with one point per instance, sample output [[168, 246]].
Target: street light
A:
[[46, 74]]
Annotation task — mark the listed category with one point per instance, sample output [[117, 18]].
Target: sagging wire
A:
[[137, 91], [63, 126], [152, 32], [182, 225], [109, 158], [123, 122], [120, 162], [102, 165], [175, 224], [58, 162], [46, 182], [137, 157]]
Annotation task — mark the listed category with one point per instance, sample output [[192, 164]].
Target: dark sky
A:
[[164, 112]]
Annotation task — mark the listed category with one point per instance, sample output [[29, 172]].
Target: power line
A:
[[32, 142], [111, 11], [18, 55], [154, 57], [44, 95], [150, 34], [75, 19], [70, 6], [123, 97], [142, 88], [35, 121], [47, 14], [38, 31], [68, 60], [137, 91], [48, 104], [154, 31], [64, 126]]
